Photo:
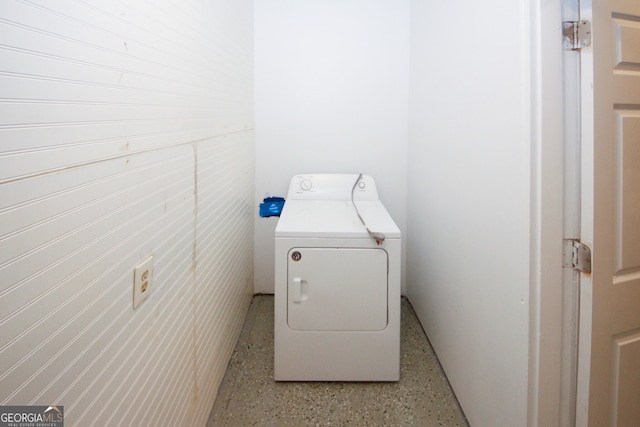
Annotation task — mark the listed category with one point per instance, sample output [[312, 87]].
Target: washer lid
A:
[[334, 219]]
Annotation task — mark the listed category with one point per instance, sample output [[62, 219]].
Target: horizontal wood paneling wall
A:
[[126, 130]]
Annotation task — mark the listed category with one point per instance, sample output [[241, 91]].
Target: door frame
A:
[[551, 389], [572, 143]]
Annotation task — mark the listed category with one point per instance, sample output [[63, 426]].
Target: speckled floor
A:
[[249, 396]]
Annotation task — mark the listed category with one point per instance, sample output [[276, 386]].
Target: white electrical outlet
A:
[[142, 281]]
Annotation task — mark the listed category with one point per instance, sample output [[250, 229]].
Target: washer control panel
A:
[[332, 187]]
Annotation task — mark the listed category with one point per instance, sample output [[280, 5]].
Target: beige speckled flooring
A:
[[249, 396]]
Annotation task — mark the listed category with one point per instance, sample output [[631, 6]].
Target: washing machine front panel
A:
[[328, 287]]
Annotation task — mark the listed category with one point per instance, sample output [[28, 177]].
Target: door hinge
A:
[[576, 255], [576, 35]]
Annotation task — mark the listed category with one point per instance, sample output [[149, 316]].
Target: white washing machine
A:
[[337, 282]]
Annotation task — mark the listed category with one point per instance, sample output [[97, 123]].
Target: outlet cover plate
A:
[[142, 281]]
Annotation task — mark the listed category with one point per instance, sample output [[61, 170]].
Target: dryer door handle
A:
[[297, 289]]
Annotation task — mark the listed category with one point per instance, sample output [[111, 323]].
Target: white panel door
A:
[[609, 343], [337, 289]]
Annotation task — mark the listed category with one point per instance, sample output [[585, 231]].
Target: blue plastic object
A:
[[271, 206]]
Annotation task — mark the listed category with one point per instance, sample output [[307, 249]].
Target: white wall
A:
[[331, 96], [469, 198], [127, 131]]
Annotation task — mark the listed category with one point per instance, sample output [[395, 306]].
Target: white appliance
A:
[[337, 282]]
